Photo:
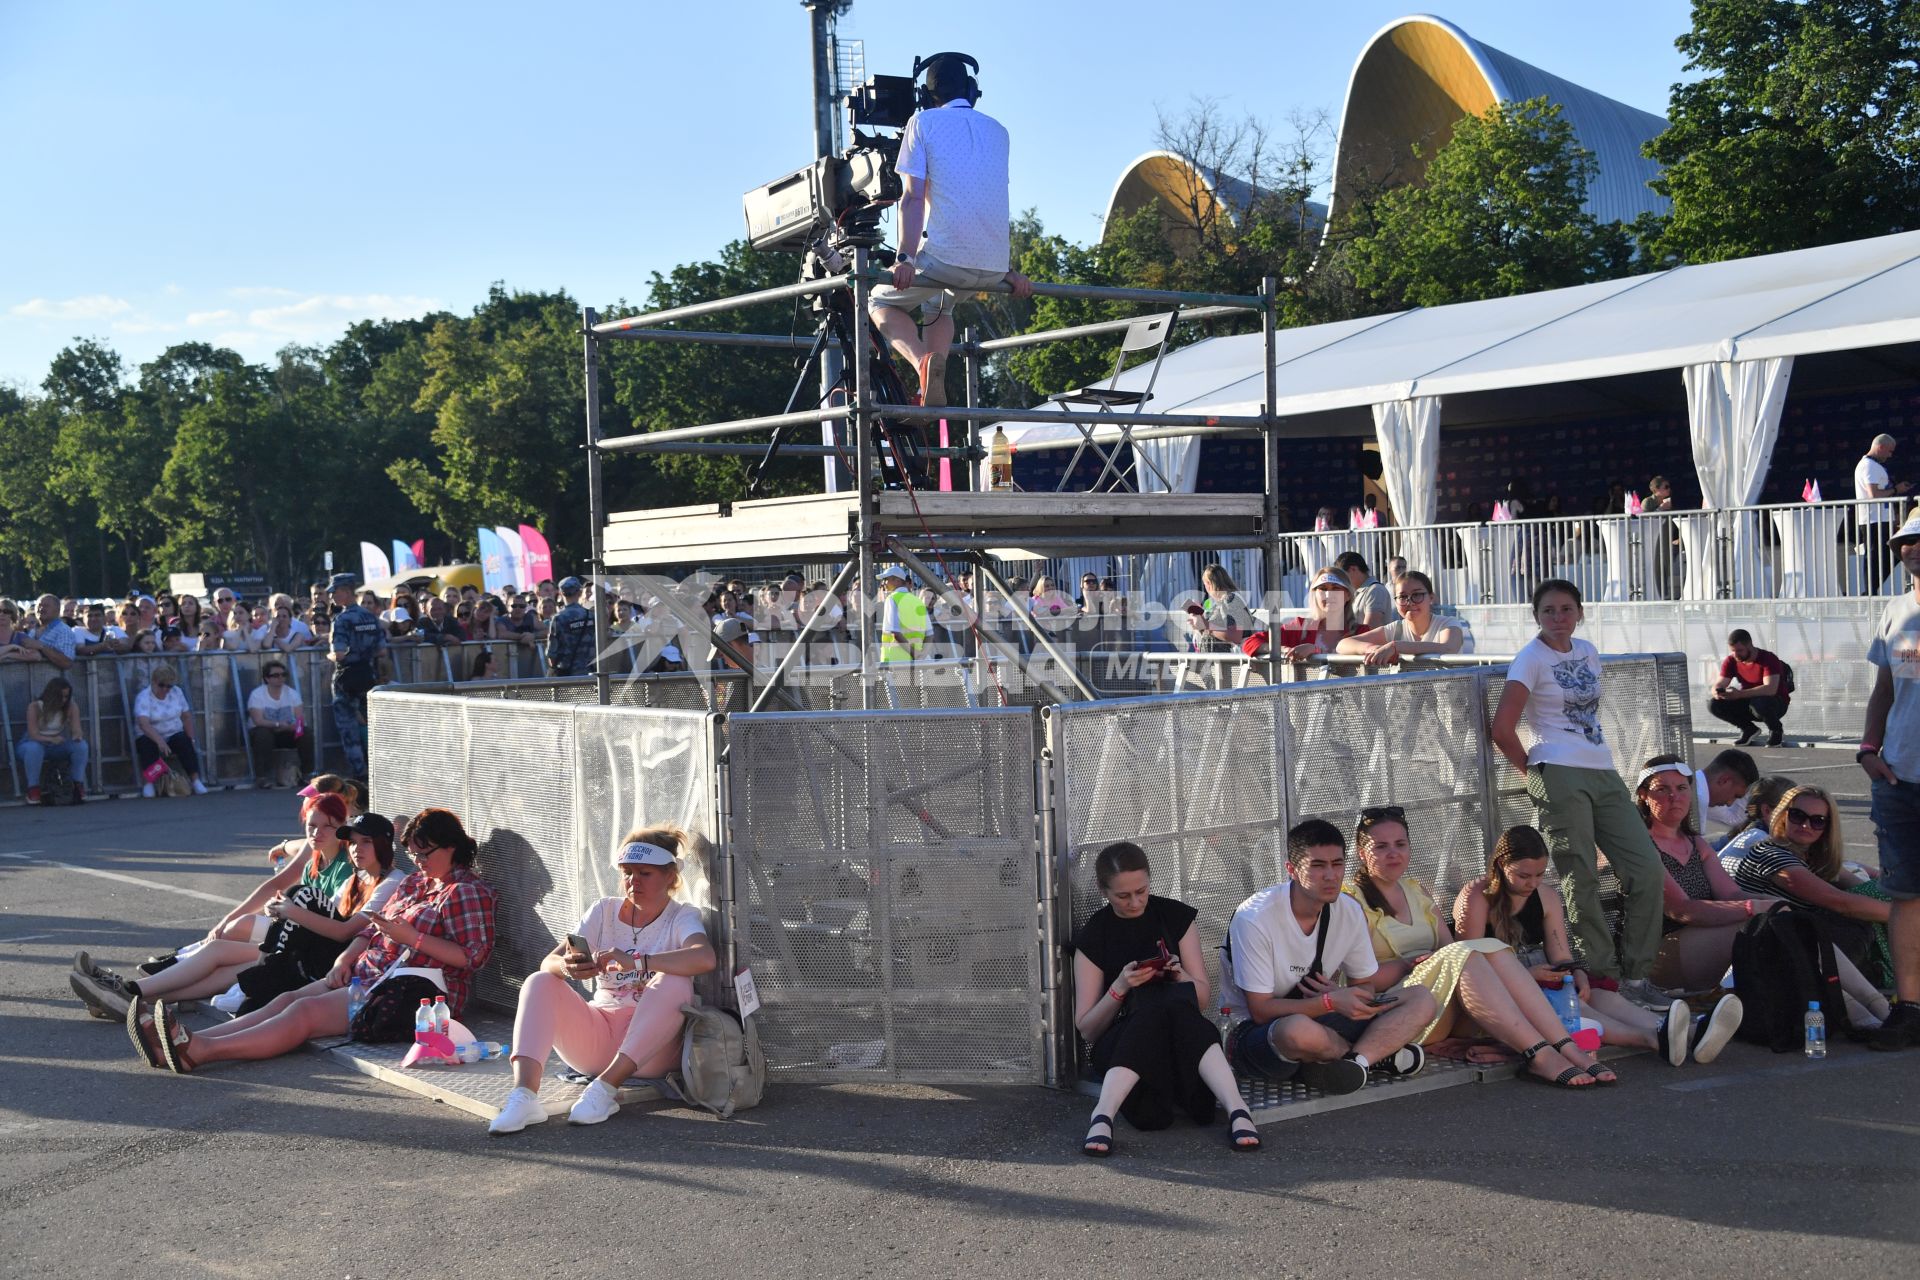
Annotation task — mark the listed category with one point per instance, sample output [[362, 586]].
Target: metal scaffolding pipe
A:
[[797, 451], [651, 319], [1093, 330], [944, 590], [955, 413], [1098, 293], [784, 341], [648, 440], [1040, 637], [800, 639]]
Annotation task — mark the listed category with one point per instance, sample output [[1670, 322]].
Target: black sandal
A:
[[1602, 1076], [1095, 1145], [141, 1031], [1562, 1081], [175, 1052], [1237, 1138]]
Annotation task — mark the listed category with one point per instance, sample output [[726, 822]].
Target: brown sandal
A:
[[174, 1039], [141, 1031]]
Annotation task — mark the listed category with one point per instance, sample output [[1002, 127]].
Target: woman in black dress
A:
[[1160, 1054]]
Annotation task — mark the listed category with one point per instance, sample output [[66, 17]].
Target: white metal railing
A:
[[1794, 551]]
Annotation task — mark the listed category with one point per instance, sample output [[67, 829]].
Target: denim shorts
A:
[[1896, 821], [1253, 1048]]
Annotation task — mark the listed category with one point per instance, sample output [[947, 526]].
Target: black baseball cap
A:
[[370, 825]]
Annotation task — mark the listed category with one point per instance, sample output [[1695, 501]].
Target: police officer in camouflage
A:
[[570, 634], [355, 645]]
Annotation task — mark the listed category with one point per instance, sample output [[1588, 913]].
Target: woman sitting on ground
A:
[[1800, 861], [646, 950], [209, 966], [433, 936], [1329, 618], [1513, 903], [1477, 985], [1704, 907], [54, 732], [311, 930], [1763, 797], [1143, 1021], [1418, 631], [165, 725]]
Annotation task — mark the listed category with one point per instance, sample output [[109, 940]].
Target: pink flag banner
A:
[[539, 555], [1816, 492], [1634, 506], [419, 552]]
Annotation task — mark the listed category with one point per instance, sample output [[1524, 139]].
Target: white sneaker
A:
[[521, 1109], [595, 1105], [199, 787], [1721, 1024], [230, 1000], [1676, 1033], [146, 790]]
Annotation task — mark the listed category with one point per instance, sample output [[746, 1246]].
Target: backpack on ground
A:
[[721, 1065], [1782, 962], [1786, 679]]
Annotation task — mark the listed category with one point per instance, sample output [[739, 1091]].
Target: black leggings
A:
[[181, 746]]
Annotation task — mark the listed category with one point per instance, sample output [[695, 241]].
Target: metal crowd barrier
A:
[[549, 791], [902, 882], [1209, 783], [217, 686]]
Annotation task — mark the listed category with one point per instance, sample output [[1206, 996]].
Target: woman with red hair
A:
[[210, 966]]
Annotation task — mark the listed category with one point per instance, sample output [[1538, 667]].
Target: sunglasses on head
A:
[[1382, 813], [1812, 821]]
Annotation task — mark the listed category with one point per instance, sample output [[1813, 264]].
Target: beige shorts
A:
[[942, 291]]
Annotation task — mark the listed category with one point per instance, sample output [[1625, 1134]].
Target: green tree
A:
[[1804, 128], [227, 490], [1498, 213], [35, 527], [504, 389]]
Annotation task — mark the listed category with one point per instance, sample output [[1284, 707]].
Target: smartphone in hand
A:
[[579, 946]]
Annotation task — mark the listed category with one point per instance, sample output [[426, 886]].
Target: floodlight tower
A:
[[823, 16]]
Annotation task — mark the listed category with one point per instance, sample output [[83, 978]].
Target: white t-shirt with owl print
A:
[[1563, 704]]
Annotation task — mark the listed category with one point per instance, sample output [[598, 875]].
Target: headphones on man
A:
[[923, 94]]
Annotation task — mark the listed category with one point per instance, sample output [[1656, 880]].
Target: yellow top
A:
[[1395, 939]]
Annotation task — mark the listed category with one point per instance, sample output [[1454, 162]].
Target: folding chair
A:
[[1147, 331]]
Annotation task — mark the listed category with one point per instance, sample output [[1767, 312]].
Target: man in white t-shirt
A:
[[1287, 945], [953, 165], [1890, 754], [1870, 480]]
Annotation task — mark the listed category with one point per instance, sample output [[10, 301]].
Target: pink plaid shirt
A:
[[459, 909]]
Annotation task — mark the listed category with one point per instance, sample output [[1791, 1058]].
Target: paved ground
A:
[[1757, 1166]]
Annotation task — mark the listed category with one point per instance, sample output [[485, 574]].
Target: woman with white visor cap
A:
[[643, 950]]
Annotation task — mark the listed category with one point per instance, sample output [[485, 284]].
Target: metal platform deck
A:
[[478, 1088], [825, 526]]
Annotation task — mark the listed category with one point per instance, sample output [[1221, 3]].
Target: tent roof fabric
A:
[[1838, 297]]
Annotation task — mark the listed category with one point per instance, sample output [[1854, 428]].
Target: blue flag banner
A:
[[495, 563], [403, 559]]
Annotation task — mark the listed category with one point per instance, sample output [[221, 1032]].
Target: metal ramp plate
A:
[[478, 1088]]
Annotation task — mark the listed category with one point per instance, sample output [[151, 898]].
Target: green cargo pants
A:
[[1581, 809]]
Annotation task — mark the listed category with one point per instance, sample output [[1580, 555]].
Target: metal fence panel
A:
[[548, 791], [887, 880]]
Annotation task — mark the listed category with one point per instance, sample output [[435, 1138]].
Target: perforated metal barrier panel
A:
[[549, 791], [886, 870]]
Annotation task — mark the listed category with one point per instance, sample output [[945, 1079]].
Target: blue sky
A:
[[265, 173]]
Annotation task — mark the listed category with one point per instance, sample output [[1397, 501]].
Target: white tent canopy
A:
[[1838, 297]]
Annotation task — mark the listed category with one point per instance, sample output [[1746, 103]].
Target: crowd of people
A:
[[339, 940]]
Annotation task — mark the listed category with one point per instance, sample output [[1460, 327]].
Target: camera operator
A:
[[953, 163]]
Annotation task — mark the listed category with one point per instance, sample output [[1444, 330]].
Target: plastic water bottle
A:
[[442, 1018], [423, 1019], [1568, 1006], [1000, 462], [1224, 1021], [356, 1000], [1816, 1023]]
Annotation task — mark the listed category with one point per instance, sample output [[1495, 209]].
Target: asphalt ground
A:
[[1759, 1165]]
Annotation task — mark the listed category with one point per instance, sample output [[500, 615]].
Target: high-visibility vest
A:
[[910, 611]]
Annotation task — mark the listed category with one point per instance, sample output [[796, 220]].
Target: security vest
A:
[[906, 611]]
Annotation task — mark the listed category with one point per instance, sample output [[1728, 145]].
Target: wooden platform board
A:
[[822, 526]]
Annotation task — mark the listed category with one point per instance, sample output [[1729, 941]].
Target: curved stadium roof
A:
[[1413, 81], [1419, 75]]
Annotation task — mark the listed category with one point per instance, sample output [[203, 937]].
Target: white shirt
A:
[[1400, 631], [1563, 704], [1868, 471], [961, 155], [602, 927], [282, 711], [1896, 646], [164, 716], [1271, 953]]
